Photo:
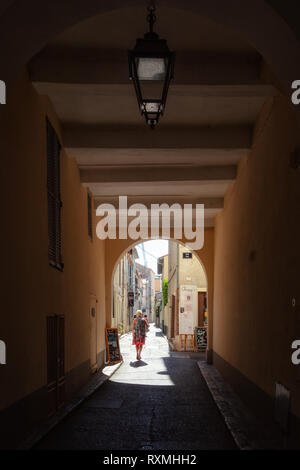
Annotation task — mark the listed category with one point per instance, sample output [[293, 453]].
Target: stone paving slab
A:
[[245, 429], [105, 403]]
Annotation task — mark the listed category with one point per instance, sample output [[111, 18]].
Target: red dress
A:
[[138, 332]]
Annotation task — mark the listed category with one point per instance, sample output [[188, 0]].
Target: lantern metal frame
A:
[[151, 47]]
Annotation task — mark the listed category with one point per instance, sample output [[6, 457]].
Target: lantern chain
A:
[[151, 17]]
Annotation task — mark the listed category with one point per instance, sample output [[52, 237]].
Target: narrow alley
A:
[[160, 402], [151, 175]]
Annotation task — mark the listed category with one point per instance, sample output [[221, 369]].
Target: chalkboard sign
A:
[[201, 337], [112, 345]]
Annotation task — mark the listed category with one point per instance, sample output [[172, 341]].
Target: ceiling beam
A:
[[147, 157], [160, 174], [213, 137], [118, 90], [209, 202], [90, 66]]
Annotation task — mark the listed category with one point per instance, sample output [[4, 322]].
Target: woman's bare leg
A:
[[137, 351]]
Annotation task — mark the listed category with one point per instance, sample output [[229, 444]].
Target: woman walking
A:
[[138, 333]]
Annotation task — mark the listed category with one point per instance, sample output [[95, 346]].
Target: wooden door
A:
[[93, 334], [55, 362], [201, 300]]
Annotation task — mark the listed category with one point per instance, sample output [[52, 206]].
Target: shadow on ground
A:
[[159, 403]]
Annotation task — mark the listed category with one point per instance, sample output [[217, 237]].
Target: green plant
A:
[[165, 292]]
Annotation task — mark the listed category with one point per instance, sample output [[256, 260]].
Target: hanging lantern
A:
[[151, 68]]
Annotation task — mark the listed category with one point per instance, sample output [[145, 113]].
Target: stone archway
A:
[[115, 249]]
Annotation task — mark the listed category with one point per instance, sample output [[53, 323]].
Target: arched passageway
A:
[[115, 249], [137, 284], [227, 140]]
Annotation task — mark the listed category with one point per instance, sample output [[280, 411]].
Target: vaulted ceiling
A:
[[213, 103]]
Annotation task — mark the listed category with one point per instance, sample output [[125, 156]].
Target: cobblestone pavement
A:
[[161, 402]]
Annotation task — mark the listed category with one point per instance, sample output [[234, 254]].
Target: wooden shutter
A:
[[201, 298], [54, 198]]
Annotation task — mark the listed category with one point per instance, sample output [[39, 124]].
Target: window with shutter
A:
[[90, 216], [54, 198]]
